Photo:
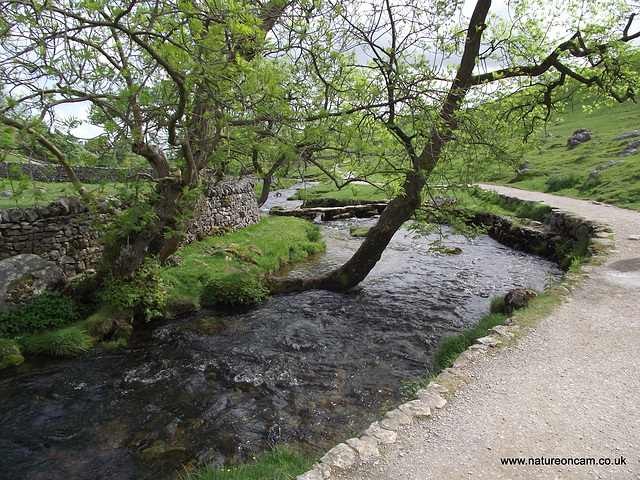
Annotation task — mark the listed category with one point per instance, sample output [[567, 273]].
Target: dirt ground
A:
[[565, 397]]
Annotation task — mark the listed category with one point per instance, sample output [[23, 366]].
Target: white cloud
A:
[[80, 112]]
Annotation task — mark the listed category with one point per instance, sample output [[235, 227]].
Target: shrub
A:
[[237, 288], [562, 182], [145, 294], [46, 310]]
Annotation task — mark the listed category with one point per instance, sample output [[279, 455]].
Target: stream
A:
[[308, 369]]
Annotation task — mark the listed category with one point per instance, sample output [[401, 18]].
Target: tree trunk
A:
[[267, 177], [122, 257], [399, 210]]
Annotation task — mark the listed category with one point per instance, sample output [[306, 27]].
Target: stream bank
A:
[[307, 369]]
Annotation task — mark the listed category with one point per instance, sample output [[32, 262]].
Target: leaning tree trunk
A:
[[401, 208], [398, 211]]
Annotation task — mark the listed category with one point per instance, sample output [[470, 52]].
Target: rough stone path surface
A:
[[564, 399]]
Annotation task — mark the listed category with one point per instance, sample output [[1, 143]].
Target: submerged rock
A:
[[206, 326]]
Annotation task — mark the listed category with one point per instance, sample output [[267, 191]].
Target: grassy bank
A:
[[220, 269], [326, 194], [281, 463], [216, 270]]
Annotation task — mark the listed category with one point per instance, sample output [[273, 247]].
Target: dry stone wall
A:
[[226, 207], [44, 172], [67, 233], [559, 232]]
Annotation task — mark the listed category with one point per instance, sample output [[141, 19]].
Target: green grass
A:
[[352, 194], [556, 168], [28, 193], [278, 464], [451, 347], [261, 248], [475, 199], [64, 342]]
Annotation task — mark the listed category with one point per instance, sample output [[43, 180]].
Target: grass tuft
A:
[[64, 342], [451, 347], [281, 463]]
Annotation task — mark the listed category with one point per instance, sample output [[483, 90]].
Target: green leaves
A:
[[45, 311], [145, 294]]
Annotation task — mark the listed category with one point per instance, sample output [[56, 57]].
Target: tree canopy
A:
[[389, 88]]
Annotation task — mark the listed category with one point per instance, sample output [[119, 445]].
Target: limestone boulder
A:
[[579, 136], [627, 135], [632, 147], [24, 276]]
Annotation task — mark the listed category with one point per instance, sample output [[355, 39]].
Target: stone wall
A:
[[67, 233], [44, 172], [62, 232], [553, 238], [227, 207]]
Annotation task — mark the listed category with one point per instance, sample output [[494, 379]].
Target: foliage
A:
[[358, 231], [573, 253], [280, 463], [492, 201], [235, 288], [328, 195], [451, 347], [497, 305], [64, 342], [144, 294], [45, 311], [410, 388]]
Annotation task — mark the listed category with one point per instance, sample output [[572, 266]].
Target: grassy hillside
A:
[[552, 166]]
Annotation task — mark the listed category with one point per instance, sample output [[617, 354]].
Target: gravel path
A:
[[569, 389]]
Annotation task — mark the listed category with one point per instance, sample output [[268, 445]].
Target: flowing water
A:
[[308, 368]]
